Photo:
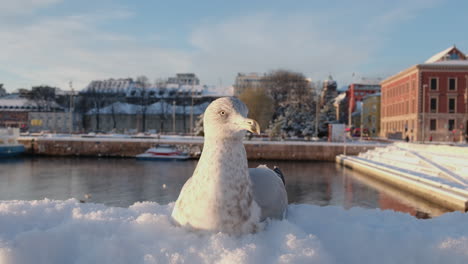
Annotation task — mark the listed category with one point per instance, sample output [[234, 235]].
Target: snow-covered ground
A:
[[47, 231], [441, 163]]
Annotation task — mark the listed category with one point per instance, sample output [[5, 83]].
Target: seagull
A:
[[223, 195]]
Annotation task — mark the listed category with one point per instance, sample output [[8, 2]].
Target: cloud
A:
[[22, 7], [268, 41], [82, 46], [56, 50]]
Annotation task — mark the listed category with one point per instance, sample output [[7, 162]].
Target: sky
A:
[[55, 42]]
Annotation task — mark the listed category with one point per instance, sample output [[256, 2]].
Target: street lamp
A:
[[465, 118], [362, 121], [71, 108], [191, 112], [317, 108], [173, 116], [423, 111]]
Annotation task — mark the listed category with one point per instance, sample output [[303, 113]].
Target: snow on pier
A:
[[435, 172]]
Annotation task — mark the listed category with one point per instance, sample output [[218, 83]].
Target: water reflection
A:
[[122, 182]]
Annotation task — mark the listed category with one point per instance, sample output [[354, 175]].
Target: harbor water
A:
[[122, 182]]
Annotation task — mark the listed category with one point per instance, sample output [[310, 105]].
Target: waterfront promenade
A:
[[126, 146]]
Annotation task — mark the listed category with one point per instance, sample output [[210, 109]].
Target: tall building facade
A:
[[371, 114], [329, 91], [428, 101], [184, 79], [247, 80], [357, 91]]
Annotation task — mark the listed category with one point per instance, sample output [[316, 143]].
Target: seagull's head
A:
[[226, 117]]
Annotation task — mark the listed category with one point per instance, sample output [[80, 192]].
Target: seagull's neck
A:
[[224, 157]]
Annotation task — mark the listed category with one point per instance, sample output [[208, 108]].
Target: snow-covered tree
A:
[[294, 114], [327, 116], [293, 120]]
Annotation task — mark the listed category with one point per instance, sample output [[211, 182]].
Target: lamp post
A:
[[317, 109], [71, 109], [191, 112], [173, 116], [424, 87], [465, 118], [362, 121]]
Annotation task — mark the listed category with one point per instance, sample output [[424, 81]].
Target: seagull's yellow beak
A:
[[251, 125]]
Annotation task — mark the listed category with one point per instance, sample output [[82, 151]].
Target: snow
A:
[[16, 104], [49, 231], [156, 108], [131, 88], [448, 63], [441, 163], [339, 98], [439, 55]]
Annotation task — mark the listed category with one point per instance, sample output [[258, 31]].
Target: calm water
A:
[[122, 182]]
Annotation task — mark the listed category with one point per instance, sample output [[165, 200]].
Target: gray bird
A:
[[223, 194]]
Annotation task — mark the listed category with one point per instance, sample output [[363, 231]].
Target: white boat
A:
[[9, 145], [163, 152]]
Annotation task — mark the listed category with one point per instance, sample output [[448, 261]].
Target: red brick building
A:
[[14, 112], [356, 93], [427, 101]]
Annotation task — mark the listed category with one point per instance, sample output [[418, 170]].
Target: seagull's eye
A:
[[222, 112]]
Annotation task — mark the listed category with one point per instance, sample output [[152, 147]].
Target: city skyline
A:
[[54, 42]]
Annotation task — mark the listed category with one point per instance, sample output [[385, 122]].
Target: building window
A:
[[454, 56], [433, 83], [451, 124], [452, 84], [433, 125], [451, 105], [433, 105]]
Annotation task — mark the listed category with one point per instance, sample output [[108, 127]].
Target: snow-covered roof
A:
[[439, 55], [442, 56], [169, 90], [17, 104], [367, 81], [130, 88], [339, 98], [372, 95], [156, 108], [448, 63], [110, 86]]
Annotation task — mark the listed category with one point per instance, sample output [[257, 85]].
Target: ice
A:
[[49, 231]]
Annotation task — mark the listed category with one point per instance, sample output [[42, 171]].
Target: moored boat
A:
[[163, 152], [9, 145]]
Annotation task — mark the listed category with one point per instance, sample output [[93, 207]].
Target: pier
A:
[[131, 146], [418, 170]]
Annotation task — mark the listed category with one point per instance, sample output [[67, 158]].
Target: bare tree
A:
[[92, 98], [143, 81], [43, 96], [287, 87], [2, 90], [144, 98], [259, 103]]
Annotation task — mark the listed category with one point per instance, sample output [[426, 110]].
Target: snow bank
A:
[[49, 231]]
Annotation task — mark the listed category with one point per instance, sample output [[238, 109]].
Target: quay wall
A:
[[129, 147]]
